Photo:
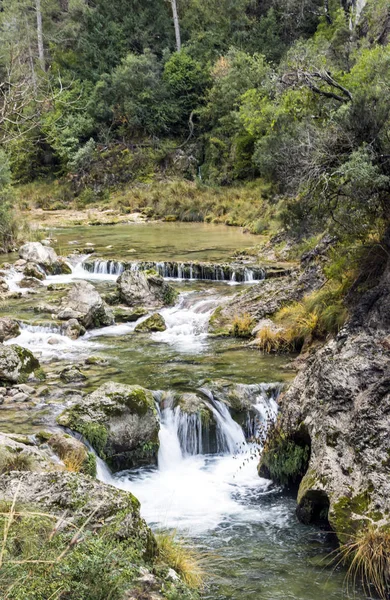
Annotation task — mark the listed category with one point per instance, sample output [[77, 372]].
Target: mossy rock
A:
[[283, 460], [153, 323], [123, 315]]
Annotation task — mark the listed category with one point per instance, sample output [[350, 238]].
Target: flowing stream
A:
[[206, 485]]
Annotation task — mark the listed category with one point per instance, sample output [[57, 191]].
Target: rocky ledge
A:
[[332, 435]]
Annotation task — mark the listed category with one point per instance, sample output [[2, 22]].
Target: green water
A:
[[157, 241]]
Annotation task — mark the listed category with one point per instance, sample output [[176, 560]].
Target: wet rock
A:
[[153, 323], [96, 360], [72, 374], [45, 308], [45, 257], [16, 364], [27, 389], [145, 288], [120, 422], [34, 270], [85, 304], [30, 282], [3, 286], [9, 328], [73, 329], [128, 315]]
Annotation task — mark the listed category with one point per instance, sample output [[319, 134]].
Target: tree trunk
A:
[[41, 52], [177, 24]]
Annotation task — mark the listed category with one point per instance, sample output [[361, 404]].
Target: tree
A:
[[176, 24]]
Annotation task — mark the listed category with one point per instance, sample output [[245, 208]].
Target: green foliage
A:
[[283, 459]]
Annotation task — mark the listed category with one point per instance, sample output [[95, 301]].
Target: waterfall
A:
[[191, 271]]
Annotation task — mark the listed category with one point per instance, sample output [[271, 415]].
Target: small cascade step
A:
[[200, 271]]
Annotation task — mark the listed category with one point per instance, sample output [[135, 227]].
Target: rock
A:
[[45, 257], [16, 364], [85, 497], [338, 408], [35, 459], [45, 308], [9, 328], [153, 323], [3, 286], [73, 329], [30, 282], [33, 270], [53, 341], [27, 389], [72, 374], [145, 288], [120, 422], [20, 264], [128, 315], [73, 452], [96, 360], [20, 397], [85, 304], [266, 324]]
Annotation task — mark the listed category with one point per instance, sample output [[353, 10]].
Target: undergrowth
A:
[[186, 561]]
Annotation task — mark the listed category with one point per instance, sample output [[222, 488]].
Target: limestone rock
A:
[[73, 329], [144, 288], [70, 449], [120, 422], [33, 270], [72, 374], [16, 363], [153, 323], [85, 304], [37, 459], [9, 328], [45, 257]]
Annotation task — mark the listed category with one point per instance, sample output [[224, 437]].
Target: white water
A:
[[195, 492], [187, 321]]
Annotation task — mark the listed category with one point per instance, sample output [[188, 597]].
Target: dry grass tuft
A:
[[242, 325], [186, 561], [368, 556], [15, 461], [74, 461]]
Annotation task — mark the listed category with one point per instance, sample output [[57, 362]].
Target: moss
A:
[[348, 514], [170, 295], [30, 364], [137, 399], [153, 323], [283, 460], [43, 436], [89, 465]]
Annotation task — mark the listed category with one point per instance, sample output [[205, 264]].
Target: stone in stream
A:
[[128, 315], [3, 286], [45, 257], [33, 270], [73, 329], [145, 288], [120, 422], [153, 323], [30, 282], [72, 374], [84, 303], [16, 364], [9, 328]]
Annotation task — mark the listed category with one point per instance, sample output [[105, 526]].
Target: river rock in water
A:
[[85, 304], [153, 323], [9, 328], [144, 288], [16, 363], [72, 374], [120, 422], [45, 257]]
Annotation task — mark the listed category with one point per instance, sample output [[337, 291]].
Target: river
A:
[[258, 550]]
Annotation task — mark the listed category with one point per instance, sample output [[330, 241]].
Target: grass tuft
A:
[[368, 556], [15, 461], [187, 562], [242, 326]]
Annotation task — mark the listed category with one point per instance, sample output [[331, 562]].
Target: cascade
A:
[[178, 270]]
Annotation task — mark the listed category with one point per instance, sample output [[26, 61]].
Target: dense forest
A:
[[288, 100]]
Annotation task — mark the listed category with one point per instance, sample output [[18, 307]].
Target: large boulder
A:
[[9, 328], [145, 288], [45, 257], [16, 364], [120, 422], [85, 304]]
